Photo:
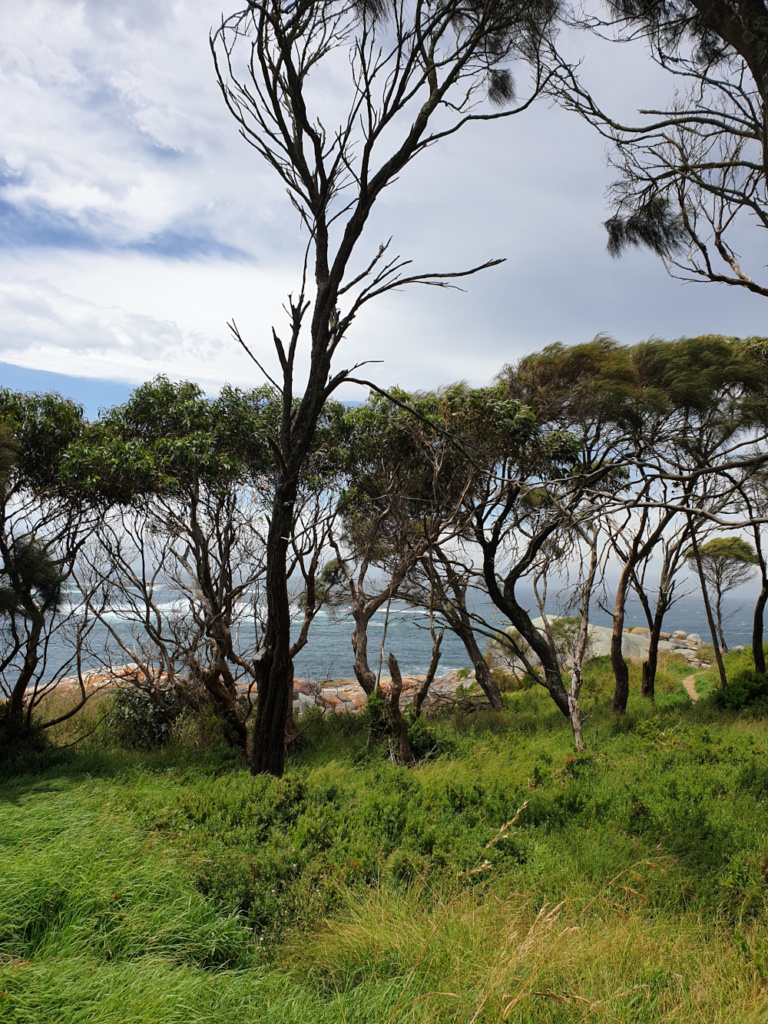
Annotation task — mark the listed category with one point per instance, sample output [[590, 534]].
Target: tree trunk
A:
[[620, 668], [363, 673], [434, 661], [708, 606], [16, 723], [399, 724], [553, 681], [577, 718], [648, 686], [719, 618], [273, 662], [758, 651], [483, 675]]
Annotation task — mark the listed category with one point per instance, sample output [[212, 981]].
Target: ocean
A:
[[328, 653]]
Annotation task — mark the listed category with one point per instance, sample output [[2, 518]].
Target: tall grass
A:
[[173, 887]]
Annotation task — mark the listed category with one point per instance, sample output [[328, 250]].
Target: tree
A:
[[418, 73], [667, 593], [692, 176], [43, 526], [726, 563], [184, 482]]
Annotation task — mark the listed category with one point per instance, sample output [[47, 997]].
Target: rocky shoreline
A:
[[340, 696]]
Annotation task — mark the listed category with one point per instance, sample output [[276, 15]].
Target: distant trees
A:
[[726, 563], [142, 538]]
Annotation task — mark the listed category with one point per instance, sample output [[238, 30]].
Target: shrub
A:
[[745, 689], [139, 722]]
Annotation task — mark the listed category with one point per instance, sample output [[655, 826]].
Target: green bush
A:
[[745, 689], [137, 722]]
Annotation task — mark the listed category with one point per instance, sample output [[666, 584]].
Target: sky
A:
[[135, 223]]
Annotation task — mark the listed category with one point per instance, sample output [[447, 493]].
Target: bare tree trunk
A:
[[273, 662], [708, 606], [434, 661], [648, 685], [483, 675], [758, 651], [16, 724], [399, 724], [363, 672], [620, 669], [719, 620], [577, 718]]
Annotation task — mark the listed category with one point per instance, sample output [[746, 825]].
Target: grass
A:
[[173, 887]]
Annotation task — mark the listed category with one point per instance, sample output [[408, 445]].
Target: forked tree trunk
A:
[[399, 724], [365, 676], [423, 690]]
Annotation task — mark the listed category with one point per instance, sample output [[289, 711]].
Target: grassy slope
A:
[[175, 888]]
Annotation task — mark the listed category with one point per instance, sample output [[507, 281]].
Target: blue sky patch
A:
[[92, 394]]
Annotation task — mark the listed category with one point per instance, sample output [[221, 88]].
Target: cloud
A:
[[135, 222]]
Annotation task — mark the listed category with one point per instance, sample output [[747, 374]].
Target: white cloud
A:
[[112, 122]]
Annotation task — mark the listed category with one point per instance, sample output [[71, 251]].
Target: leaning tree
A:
[[417, 72], [691, 176]]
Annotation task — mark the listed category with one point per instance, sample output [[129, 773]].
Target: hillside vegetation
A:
[[172, 886]]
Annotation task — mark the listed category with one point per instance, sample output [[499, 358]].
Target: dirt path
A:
[[690, 688]]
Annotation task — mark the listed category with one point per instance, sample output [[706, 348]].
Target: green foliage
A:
[[38, 431], [746, 688], [168, 436], [732, 549], [137, 722], [29, 569]]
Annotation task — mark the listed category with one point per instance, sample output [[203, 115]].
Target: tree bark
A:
[[708, 606], [365, 676], [399, 724], [648, 685], [423, 690], [273, 663], [483, 675], [620, 668], [758, 651]]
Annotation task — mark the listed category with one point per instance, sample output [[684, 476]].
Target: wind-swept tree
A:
[[692, 176], [726, 563], [418, 72], [43, 526]]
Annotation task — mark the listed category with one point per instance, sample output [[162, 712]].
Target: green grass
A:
[[173, 887]]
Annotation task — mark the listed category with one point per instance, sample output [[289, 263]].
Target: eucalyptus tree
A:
[[589, 393], [657, 598], [183, 482], [415, 73], [43, 527], [726, 564], [404, 494], [705, 399], [519, 483], [751, 489], [692, 175]]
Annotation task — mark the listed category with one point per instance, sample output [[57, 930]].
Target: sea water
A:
[[405, 632]]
